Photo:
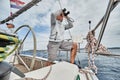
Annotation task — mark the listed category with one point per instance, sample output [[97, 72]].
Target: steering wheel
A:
[[21, 43]]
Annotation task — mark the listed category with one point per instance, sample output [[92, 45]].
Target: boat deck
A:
[[59, 71]]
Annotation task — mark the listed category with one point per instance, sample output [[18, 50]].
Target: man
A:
[[56, 39]]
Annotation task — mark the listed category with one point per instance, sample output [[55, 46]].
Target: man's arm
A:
[[69, 25], [53, 20]]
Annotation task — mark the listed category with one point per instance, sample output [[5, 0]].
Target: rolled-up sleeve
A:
[[69, 25]]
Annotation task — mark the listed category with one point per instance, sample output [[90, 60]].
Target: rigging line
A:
[[109, 55], [60, 4]]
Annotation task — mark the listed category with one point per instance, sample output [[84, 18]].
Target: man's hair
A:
[[59, 12]]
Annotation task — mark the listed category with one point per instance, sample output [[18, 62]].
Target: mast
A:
[[110, 7], [26, 7], [113, 6]]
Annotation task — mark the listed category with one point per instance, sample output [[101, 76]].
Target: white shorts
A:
[[53, 47]]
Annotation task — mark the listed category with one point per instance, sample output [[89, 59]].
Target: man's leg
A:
[[73, 52], [52, 49], [70, 46]]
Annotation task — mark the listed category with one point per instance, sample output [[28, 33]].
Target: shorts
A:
[[53, 47]]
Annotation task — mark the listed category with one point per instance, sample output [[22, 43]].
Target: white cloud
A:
[[80, 10]]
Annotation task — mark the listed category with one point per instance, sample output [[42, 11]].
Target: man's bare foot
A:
[[49, 63]]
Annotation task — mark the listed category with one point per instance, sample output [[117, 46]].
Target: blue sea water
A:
[[108, 67]]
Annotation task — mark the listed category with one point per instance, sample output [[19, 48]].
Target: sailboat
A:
[[30, 67]]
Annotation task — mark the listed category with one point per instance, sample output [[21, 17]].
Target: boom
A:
[[26, 7]]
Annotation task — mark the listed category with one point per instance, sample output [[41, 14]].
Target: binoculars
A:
[[64, 12]]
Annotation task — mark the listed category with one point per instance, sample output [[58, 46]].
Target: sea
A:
[[108, 66]]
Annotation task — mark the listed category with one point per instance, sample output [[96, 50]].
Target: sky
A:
[[38, 17]]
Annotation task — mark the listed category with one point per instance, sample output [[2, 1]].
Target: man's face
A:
[[60, 17]]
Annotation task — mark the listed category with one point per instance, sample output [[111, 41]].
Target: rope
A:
[[87, 72], [7, 40], [4, 55], [47, 74], [109, 55], [90, 46], [89, 60]]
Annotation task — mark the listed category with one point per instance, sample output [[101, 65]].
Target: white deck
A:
[[59, 71]]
